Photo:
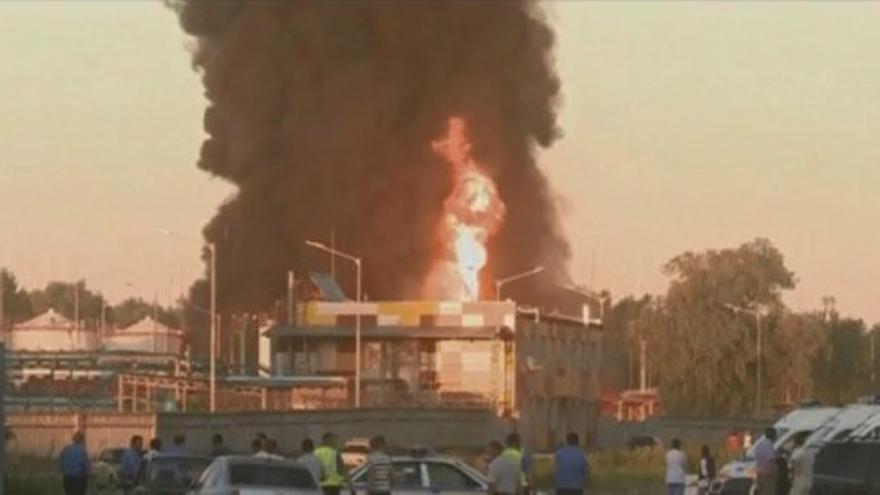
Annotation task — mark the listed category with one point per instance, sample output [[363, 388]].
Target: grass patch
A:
[[640, 471], [27, 475]]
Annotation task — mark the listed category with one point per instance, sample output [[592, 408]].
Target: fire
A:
[[473, 212]]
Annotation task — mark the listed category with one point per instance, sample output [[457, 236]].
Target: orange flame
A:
[[473, 212]]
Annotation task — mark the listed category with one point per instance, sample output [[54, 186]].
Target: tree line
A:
[[72, 298], [701, 338]]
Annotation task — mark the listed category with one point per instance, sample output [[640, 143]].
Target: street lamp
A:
[[500, 282], [757, 312], [212, 383], [357, 325]]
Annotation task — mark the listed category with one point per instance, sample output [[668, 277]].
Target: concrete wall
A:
[[46, 433], [438, 428]]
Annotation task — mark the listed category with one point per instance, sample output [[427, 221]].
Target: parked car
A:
[[647, 442], [105, 468], [417, 475], [171, 474], [354, 452], [242, 475]]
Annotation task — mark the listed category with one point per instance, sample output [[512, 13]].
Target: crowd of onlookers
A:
[[509, 469], [775, 473]]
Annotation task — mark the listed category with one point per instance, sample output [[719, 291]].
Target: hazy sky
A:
[[687, 126]]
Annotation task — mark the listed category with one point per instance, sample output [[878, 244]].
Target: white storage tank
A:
[[145, 336], [51, 332]]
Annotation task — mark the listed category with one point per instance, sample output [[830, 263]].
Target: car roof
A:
[[172, 455], [806, 417], [249, 459]]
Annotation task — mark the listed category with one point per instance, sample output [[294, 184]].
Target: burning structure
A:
[[406, 133], [539, 370]]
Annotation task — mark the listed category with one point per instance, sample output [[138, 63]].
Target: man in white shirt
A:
[[676, 469], [503, 472], [310, 460], [765, 463]]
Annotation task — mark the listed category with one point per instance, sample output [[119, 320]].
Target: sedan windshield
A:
[[176, 470], [280, 476]]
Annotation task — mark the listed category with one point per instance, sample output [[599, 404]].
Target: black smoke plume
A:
[[323, 113]]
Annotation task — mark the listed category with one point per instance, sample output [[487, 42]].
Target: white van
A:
[[867, 431], [798, 423], [838, 427]]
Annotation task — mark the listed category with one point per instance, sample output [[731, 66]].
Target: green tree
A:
[[704, 352], [620, 352], [795, 347], [63, 297], [16, 305], [134, 309], [843, 368]]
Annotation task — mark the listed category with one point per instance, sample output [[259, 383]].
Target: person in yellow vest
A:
[[332, 467], [514, 452]]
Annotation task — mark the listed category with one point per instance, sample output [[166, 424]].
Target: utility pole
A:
[[2, 309], [76, 306], [212, 248], [643, 368], [755, 311]]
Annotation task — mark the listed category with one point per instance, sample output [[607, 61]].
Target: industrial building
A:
[[539, 371]]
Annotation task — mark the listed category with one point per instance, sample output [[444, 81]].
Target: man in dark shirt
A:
[[217, 446], [572, 467], [75, 466]]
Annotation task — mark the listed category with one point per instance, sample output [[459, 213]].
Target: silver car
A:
[[437, 474], [240, 475]]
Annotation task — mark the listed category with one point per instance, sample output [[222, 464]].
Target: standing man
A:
[[676, 469], [272, 449], [310, 460], [75, 466], [514, 452], [217, 446], [707, 471], [504, 473], [571, 466], [378, 468], [154, 450], [801, 468], [332, 466], [130, 466], [179, 446], [765, 463]]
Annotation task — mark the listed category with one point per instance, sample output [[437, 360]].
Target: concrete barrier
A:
[[690, 431], [441, 428], [44, 434]]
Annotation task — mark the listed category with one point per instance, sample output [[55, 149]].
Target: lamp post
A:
[[757, 312], [212, 380], [501, 282], [357, 325]]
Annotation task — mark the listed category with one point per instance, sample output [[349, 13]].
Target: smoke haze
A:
[[323, 115]]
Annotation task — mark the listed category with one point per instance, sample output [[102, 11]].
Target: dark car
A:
[[171, 474], [644, 442]]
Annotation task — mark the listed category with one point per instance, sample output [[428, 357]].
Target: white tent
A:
[[147, 335]]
